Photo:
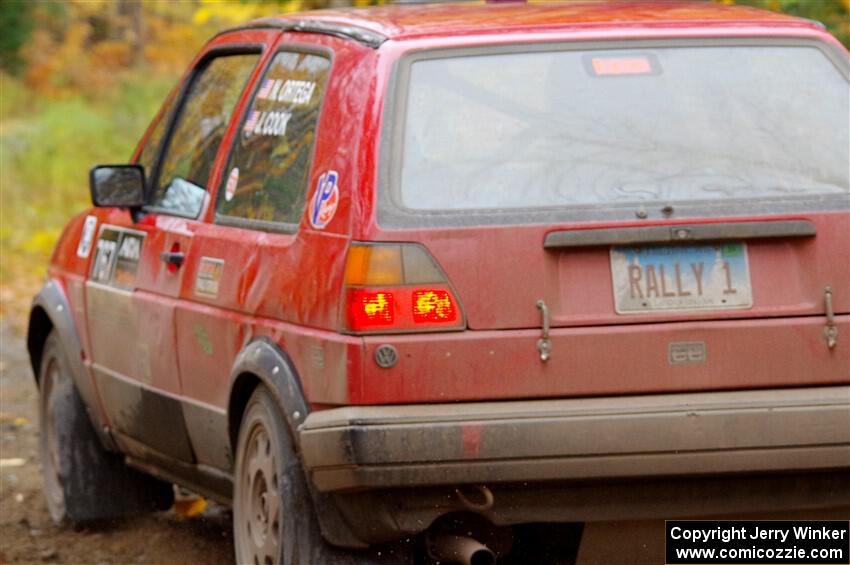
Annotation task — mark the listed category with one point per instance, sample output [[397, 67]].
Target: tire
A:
[[274, 522], [82, 481]]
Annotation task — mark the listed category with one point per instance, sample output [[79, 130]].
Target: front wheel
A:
[[273, 518], [82, 481]]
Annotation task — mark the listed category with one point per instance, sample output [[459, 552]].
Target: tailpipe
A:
[[461, 549]]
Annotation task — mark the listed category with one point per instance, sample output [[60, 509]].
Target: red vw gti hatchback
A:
[[454, 269]]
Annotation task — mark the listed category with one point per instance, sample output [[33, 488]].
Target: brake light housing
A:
[[397, 288], [433, 305], [369, 308]]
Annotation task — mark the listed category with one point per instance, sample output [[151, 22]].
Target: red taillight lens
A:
[[368, 309], [394, 287], [433, 306]]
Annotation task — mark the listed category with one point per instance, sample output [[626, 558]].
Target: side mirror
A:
[[120, 186]]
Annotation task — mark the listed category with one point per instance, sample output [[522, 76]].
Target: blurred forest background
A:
[[81, 79]]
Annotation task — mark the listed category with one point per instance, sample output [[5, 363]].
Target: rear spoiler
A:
[[361, 35]]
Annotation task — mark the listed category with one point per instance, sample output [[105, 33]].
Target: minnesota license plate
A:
[[681, 278]]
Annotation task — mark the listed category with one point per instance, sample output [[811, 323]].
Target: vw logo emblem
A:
[[386, 356]]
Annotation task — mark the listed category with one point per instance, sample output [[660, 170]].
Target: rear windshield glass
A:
[[609, 127]]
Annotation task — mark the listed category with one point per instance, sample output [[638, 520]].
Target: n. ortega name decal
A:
[[325, 200], [296, 92]]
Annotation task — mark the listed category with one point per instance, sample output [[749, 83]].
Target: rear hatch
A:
[[678, 209]]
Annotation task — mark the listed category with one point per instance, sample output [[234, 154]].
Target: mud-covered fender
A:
[[262, 360], [50, 310]]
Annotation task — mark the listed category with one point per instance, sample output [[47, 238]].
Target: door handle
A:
[[174, 258]]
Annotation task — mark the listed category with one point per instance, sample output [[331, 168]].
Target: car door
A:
[[137, 275], [245, 261]]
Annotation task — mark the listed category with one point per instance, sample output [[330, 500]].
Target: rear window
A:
[[494, 134]]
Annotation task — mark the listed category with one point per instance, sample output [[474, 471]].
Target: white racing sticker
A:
[[267, 123], [208, 278], [127, 261], [273, 122], [296, 92], [232, 183], [131, 249], [87, 237], [117, 255], [102, 269]]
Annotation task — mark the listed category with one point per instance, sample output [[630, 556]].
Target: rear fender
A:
[[262, 361]]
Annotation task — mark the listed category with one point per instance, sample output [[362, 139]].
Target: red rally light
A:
[[433, 305], [369, 309]]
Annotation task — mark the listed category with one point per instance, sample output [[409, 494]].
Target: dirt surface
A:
[[27, 534]]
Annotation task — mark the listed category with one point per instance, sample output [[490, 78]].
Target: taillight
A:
[[433, 305], [397, 287], [370, 309]]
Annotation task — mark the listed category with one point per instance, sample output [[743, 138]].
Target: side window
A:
[[150, 150], [180, 185], [266, 176]]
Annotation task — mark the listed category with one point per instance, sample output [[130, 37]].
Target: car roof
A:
[[428, 20]]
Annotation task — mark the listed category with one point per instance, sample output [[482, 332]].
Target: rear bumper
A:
[[781, 430]]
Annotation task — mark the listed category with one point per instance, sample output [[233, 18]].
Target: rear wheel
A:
[[273, 518], [82, 481]]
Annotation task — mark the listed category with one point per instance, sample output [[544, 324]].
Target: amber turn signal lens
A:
[[373, 265]]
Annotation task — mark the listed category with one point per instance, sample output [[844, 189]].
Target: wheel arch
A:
[[262, 361], [39, 327], [240, 392], [51, 311]]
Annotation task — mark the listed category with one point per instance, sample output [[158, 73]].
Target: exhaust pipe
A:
[[461, 549]]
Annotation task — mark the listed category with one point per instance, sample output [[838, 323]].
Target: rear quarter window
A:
[[265, 179]]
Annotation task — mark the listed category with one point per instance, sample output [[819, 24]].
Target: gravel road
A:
[[27, 534]]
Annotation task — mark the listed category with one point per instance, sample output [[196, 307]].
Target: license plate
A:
[[681, 278]]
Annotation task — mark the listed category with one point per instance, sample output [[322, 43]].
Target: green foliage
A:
[[15, 29], [14, 97], [834, 14], [48, 147]]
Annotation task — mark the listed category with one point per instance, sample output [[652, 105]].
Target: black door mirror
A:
[[120, 186]]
